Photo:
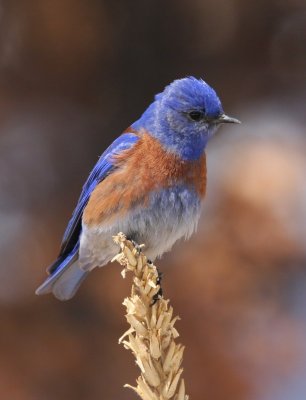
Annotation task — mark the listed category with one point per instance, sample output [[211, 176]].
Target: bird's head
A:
[[184, 116]]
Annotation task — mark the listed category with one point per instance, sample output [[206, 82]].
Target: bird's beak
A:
[[224, 119]]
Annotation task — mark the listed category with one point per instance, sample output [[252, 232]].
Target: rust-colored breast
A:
[[140, 170]]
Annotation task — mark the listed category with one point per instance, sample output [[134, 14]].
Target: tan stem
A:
[[151, 335]]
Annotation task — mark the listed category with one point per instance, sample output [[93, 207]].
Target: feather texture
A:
[[149, 184]]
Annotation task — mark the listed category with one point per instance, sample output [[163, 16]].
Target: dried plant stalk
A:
[[151, 336]]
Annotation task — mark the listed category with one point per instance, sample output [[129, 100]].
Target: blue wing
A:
[[103, 167]]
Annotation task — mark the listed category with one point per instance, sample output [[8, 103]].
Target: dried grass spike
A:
[[151, 336]]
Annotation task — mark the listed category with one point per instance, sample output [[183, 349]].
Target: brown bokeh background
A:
[[73, 75]]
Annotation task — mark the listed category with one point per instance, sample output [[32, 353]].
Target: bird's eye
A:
[[196, 115]]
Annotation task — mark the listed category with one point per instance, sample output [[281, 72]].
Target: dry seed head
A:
[[132, 262], [151, 336], [125, 334], [137, 325], [150, 373], [181, 391], [155, 346], [167, 363], [172, 388]]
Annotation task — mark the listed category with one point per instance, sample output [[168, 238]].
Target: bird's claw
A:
[[159, 294], [137, 246]]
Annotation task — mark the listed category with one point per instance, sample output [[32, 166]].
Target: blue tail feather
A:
[[66, 279]]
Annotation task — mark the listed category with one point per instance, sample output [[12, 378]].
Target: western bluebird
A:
[[149, 184]]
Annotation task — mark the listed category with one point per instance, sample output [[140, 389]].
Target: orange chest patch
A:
[[149, 163], [144, 168]]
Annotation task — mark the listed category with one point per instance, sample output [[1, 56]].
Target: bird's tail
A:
[[65, 280]]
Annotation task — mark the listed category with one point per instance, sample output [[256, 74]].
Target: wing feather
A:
[[103, 167]]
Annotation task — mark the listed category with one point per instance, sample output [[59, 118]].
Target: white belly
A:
[[172, 213]]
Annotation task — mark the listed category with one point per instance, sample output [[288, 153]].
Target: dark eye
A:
[[196, 115]]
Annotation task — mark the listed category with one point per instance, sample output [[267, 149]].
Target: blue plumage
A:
[[169, 114], [177, 126], [99, 172], [71, 239]]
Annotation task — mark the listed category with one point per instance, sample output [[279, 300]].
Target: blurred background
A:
[[74, 75]]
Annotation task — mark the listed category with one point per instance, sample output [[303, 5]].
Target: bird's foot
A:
[[137, 246], [159, 294]]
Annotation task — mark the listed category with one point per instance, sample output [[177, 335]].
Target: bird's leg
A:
[[159, 294], [137, 246]]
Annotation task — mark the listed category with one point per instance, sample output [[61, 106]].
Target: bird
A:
[[149, 184]]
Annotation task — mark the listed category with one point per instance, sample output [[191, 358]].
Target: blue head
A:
[[184, 116]]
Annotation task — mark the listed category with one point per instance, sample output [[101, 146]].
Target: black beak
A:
[[224, 119]]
